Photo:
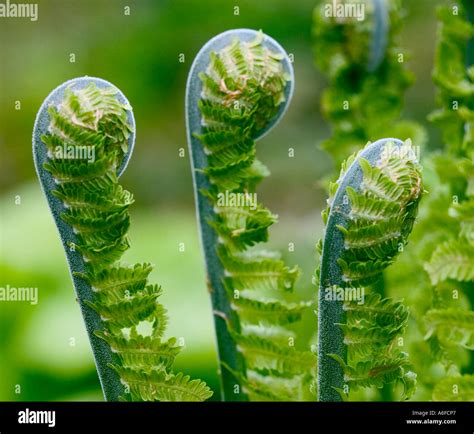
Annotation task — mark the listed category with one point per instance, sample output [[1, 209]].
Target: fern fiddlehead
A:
[[372, 208], [367, 79], [82, 141], [450, 321], [239, 86]]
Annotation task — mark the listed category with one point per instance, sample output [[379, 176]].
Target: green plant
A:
[[239, 86], [372, 208], [364, 100], [367, 77], [441, 245], [450, 320], [83, 139]]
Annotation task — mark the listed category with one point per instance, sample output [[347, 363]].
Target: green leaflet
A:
[[270, 388], [450, 69], [257, 272], [263, 354], [242, 90], [159, 385], [451, 263], [455, 83], [364, 234], [254, 311], [376, 311], [453, 259], [372, 327], [464, 213], [274, 333], [95, 208], [459, 388], [243, 228], [118, 281], [139, 351], [452, 327], [379, 371]]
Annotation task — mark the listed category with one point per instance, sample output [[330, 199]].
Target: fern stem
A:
[[331, 313], [109, 380], [225, 319], [379, 35], [469, 6]]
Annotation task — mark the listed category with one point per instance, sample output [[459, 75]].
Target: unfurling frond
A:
[[373, 206], [378, 225], [243, 89], [95, 208]]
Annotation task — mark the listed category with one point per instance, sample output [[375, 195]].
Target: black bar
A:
[[244, 417]]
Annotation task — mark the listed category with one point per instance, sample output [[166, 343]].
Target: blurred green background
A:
[[44, 351]]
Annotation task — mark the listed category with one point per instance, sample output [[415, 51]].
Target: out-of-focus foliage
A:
[[450, 321], [360, 104]]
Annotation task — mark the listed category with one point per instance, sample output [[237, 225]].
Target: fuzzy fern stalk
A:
[[372, 208], [82, 141], [367, 76], [450, 322], [239, 86]]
